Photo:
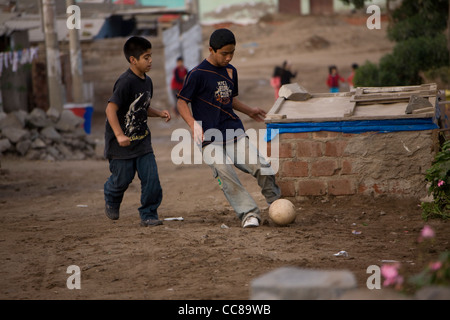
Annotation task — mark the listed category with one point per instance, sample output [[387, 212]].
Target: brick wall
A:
[[323, 164]]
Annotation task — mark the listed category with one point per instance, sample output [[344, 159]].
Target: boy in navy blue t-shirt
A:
[[212, 89], [128, 145]]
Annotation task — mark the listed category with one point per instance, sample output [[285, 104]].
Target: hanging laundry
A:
[[14, 58], [15, 61]]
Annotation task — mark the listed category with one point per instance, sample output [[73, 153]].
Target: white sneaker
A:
[[251, 222]]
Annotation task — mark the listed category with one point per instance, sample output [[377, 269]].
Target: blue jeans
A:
[[122, 174], [245, 156], [334, 89]]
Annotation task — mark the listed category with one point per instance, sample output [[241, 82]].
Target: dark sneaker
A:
[[151, 223], [112, 213]]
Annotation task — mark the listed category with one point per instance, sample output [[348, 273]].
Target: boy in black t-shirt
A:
[[128, 145], [212, 88]]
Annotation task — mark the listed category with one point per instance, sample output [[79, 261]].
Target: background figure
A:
[[286, 74], [275, 81], [179, 73], [352, 75], [333, 79], [281, 76]]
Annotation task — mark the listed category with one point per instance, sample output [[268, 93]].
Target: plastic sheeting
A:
[[381, 126]]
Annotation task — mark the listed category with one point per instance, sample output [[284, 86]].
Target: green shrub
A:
[[438, 175], [404, 65]]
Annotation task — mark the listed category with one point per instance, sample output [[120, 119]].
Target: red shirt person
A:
[[179, 73]]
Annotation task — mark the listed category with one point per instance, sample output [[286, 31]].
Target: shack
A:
[[374, 141]]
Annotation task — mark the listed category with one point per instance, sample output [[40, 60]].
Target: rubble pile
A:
[[37, 136]]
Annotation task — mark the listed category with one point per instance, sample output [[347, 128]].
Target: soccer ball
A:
[[282, 212]]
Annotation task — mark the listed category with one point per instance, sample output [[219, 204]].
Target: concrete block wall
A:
[[323, 164]]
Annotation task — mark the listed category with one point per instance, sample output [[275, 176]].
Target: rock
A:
[[21, 116], [14, 135], [65, 151], [23, 146], [374, 294], [38, 118], [78, 155], [48, 157], [53, 114], [52, 151], [291, 283], [68, 121], [317, 42], [417, 103], [38, 144], [51, 133], [33, 154], [433, 293], [10, 121], [4, 145], [37, 137], [293, 91]]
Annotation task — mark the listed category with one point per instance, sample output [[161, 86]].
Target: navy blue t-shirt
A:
[[211, 90], [132, 95]]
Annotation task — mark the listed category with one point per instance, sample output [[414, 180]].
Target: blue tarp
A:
[[382, 126]]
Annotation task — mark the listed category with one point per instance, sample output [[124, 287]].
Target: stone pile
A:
[[37, 136]]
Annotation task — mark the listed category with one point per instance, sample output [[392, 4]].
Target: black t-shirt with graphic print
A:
[[210, 90], [132, 95]]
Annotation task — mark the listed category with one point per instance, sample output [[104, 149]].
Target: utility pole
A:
[[76, 65], [55, 88], [448, 27]]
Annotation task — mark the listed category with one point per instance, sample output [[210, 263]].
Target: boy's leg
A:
[[151, 191], [248, 159], [122, 174], [238, 197]]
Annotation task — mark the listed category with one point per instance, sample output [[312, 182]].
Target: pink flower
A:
[[390, 273], [427, 232], [434, 266], [440, 183]]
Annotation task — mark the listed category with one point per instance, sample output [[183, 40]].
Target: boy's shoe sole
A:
[[112, 213], [151, 223]]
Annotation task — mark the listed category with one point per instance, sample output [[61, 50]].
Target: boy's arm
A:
[[185, 113], [157, 113], [111, 114], [254, 113]]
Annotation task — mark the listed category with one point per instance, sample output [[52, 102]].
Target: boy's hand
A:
[[197, 132], [257, 114], [165, 115], [123, 140]]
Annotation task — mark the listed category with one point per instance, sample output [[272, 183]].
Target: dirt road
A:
[[52, 213]]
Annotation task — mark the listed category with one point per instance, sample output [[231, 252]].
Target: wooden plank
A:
[[396, 94], [423, 110], [390, 97], [387, 101], [276, 116], [350, 111], [276, 107], [429, 86], [354, 118]]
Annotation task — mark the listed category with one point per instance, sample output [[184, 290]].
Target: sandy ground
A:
[[52, 213]]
